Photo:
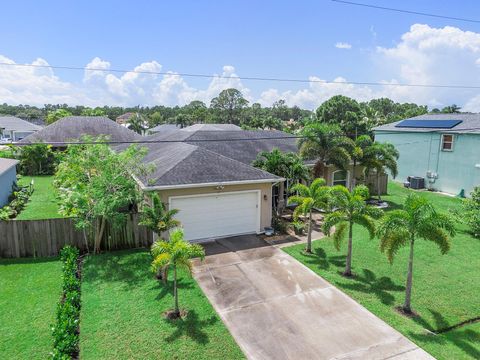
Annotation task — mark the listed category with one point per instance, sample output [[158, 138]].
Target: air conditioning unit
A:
[[416, 182]]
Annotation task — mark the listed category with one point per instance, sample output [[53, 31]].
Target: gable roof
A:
[[6, 164], [10, 123], [241, 145], [470, 123], [184, 165], [72, 128]]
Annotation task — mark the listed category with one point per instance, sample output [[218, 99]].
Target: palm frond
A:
[[367, 222], [339, 234], [332, 220]]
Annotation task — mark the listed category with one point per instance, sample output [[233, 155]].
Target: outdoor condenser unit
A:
[[416, 182]]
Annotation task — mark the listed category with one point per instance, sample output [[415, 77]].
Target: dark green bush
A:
[[65, 331], [17, 201]]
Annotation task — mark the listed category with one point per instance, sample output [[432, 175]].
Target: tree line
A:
[[231, 107]]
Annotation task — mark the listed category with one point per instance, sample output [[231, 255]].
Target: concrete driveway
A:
[[276, 308]]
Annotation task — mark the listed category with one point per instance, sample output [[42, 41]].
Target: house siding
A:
[[421, 152], [265, 196], [7, 179]]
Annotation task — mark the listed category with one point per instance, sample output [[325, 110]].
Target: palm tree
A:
[[325, 143], [157, 218], [176, 253], [137, 123], [307, 198], [359, 151], [417, 220], [350, 208], [381, 157]]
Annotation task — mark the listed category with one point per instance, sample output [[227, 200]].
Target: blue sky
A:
[[290, 39]]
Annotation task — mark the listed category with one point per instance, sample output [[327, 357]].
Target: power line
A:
[[406, 11], [252, 78]]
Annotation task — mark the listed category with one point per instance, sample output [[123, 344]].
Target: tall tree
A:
[[344, 112], [175, 253], [93, 112], [359, 153], [197, 111], [137, 123], [417, 220], [350, 208], [55, 115], [308, 198], [326, 144], [229, 106], [95, 185], [381, 157]]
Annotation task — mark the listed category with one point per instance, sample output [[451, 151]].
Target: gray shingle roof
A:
[[16, 124], [213, 127], [164, 128], [72, 128], [185, 164], [470, 123], [6, 164]]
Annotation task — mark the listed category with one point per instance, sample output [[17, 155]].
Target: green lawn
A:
[[29, 292], [121, 316], [42, 203], [446, 287]]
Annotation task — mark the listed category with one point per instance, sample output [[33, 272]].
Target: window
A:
[[447, 142], [340, 177]]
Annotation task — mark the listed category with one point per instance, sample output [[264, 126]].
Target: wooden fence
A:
[[40, 238]]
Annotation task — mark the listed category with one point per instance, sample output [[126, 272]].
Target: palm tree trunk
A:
[[408, 290], [309, 236], [352, 180], [175, 291], [378, 186], [348, 262]]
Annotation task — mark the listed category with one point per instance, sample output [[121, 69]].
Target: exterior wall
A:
[[421, 152], [7, 179], [371, 181], [265, 197], [19, 135]]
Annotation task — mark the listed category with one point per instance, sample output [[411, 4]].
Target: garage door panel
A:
[[218, 215]]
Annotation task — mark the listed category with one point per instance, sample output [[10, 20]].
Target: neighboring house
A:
[[8, 177], [72, 128], [444, 149], [13, 129], [123, 119]]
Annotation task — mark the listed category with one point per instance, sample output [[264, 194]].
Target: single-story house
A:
[[443, 149], [8, 177], [72, 128], [13, 129]]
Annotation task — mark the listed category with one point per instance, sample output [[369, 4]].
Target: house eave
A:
[[198, 185]]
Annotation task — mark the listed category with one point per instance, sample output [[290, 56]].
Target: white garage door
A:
[[216, 215]]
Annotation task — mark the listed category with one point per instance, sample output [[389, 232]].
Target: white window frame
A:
[[450, 142], [347, 179]]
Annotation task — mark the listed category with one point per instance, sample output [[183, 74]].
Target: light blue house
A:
[[444, 149], [8, 177]]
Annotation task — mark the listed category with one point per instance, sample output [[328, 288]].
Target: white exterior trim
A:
[[258, 216], [348, 177], [186, 186]]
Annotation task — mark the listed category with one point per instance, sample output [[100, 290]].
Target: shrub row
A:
[[17, 201], [65, 331]]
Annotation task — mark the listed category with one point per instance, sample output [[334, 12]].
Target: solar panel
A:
[[431, 124]]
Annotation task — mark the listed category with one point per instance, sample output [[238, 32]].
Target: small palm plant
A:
[[417, 220], [175, 253], [350, 208], [308, 198], [157, 218]]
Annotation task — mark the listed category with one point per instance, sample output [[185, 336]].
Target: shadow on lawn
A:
[[465, 339], [192, 327], [165, 289], [16, 261], [369, 283]]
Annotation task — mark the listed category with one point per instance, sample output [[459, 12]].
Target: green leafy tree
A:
[[380, 157], [197, 111], [229, 106], [325, 144], [95, 185], [417, 220], [308, 198], [183, 120], [359, 154], [38, 159], [175, 253], [156, 217], [137, 123], [344, 112], [55, 115], [451, 109], [93, 112], [350, 208]]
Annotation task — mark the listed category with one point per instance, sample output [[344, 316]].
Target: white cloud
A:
[[343, 45], [424, 55]]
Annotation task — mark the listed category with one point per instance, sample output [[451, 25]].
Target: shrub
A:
[[471, 211], [65, 331], [17, 201]]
